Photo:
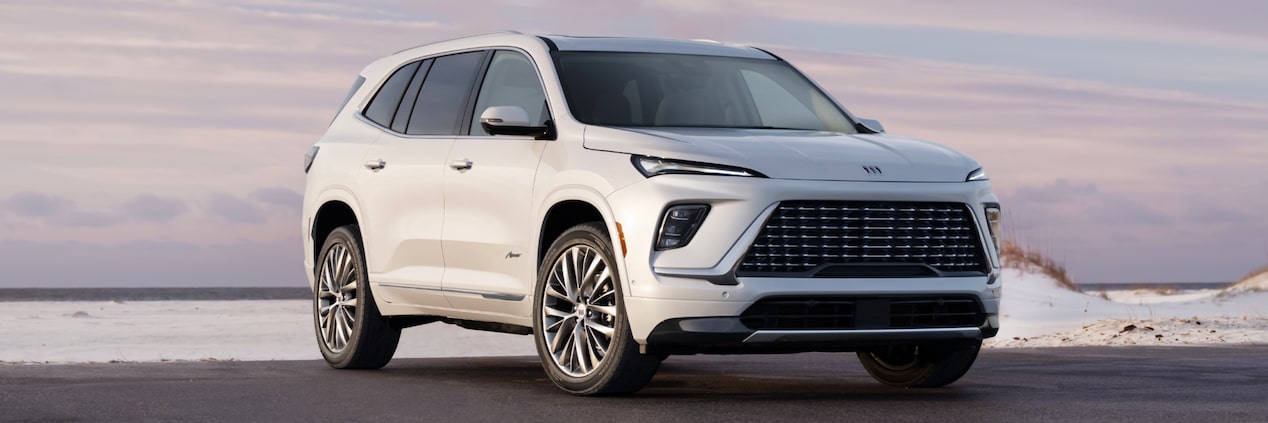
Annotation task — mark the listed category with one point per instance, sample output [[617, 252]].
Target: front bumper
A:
[[728, 335], [697, 283], [688, 326]]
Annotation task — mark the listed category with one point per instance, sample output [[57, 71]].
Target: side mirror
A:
[[871, 126], [510, 120]]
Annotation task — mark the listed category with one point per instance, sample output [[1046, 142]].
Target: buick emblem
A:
[[873, 170]]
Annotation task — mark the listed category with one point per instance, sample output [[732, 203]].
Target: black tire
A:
[[922, 366], [368, 342], [622, 369]]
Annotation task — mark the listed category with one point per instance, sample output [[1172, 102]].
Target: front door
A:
[[489, 234]]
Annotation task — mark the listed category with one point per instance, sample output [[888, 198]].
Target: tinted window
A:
[[682, 90], [511, 81], [445, 94], [356, 85], [411, 95], [383, 107], [778, 107]]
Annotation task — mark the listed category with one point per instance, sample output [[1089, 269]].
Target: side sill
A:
[[485, 294]]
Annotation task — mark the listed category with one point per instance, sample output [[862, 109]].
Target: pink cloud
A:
[[1154, 21], [212, 105]]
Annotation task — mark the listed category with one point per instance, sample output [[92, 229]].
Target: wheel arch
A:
[[571, 207], [561, 216], [331, 215]]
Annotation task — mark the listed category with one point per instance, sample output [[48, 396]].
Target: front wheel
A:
[[921, 366], [579, 320], [350, 331]]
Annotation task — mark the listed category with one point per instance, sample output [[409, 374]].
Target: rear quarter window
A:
[[383, 106], [356, 85]]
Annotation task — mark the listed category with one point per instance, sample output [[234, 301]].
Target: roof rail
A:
[[502, 32]]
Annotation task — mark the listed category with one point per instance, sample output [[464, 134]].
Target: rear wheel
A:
[[350, 331], [921, 366], [579, 321]]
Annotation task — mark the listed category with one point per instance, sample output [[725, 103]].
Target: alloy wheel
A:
[[337, 299], [579, 311]]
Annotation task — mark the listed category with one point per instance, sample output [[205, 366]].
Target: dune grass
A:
[[1029, 259], [1253, 282]]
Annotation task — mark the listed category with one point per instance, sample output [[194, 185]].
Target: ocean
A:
[[153, 294]]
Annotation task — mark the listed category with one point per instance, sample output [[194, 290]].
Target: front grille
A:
[[838, 313], [866, 239]]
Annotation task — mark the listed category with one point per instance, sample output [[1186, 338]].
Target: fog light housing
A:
[[679, 225]]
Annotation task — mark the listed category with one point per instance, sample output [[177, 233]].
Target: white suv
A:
[[626, 199]]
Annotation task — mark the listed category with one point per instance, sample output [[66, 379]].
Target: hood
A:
[[793, 154]]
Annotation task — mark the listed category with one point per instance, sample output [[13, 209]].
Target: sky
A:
[[160, 143]]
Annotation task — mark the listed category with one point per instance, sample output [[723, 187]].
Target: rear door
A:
[[489, 234], [402, 187]]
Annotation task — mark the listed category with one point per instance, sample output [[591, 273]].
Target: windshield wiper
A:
[[719, 127], [770, 127]]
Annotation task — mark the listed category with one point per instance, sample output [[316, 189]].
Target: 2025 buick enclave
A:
[[626, 199]]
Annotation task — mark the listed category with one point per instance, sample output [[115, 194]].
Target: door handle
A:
[[463, 164], [375, 164]]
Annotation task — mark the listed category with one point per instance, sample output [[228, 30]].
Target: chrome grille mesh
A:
[[804, 236]]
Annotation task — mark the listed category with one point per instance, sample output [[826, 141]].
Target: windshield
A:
[[680, 90]]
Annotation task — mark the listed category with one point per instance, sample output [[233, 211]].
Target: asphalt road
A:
[[1157, 384]]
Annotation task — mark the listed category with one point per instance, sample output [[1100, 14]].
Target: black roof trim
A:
[[549, 43], [771, 54]]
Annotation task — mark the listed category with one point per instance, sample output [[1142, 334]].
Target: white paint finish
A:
[[402, 209], [489, 232], [808, 155]]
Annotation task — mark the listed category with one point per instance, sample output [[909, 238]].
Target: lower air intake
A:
[[837, 313]]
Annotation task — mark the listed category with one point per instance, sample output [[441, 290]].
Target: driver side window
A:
[[511, 81]]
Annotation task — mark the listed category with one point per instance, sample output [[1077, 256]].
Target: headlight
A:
[[652, 166], [976, 175], [992, 220]]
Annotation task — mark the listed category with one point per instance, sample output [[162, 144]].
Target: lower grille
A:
[[935, 313], [794, 313], [866, 239], [827, 313]]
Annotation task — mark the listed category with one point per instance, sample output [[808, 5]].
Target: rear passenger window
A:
[[445, 94], [383, 106], [411, 95]]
